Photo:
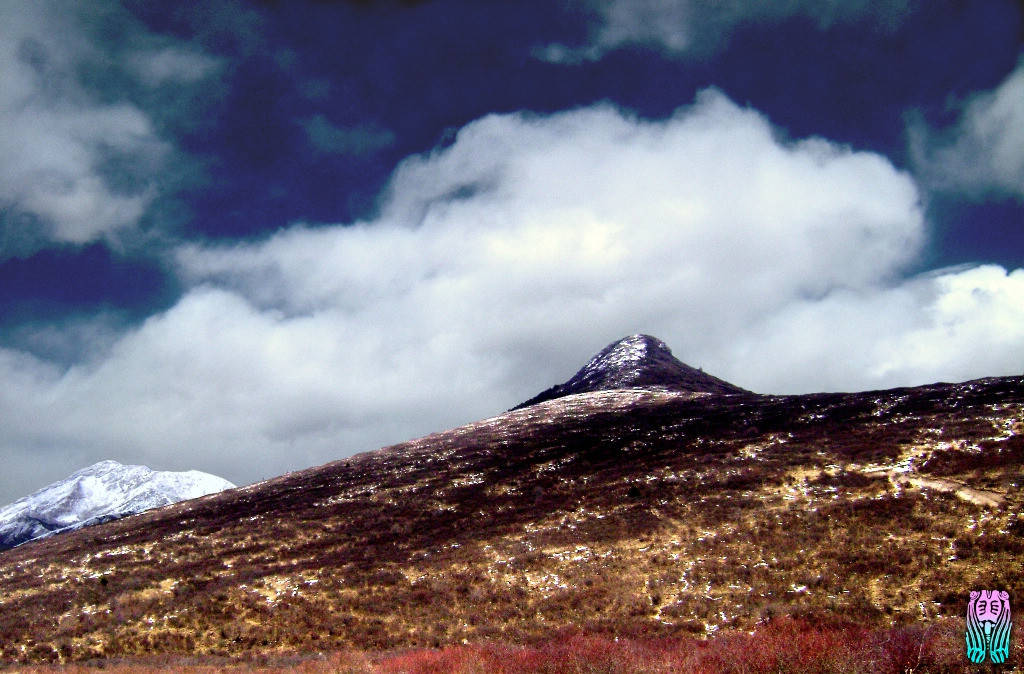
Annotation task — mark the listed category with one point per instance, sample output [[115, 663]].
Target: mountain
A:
[[626, 512], [104, 491], [637, 361]]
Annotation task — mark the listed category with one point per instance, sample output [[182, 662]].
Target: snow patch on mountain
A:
[[637, 361], [104, 491], [621, 362]]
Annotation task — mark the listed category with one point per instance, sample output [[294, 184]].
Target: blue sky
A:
[[251, 237]]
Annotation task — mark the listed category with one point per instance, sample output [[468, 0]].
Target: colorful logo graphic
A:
[[988, 625]]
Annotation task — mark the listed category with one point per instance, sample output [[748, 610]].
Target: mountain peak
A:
[[103, 467], [625, 359], [636, 361], [103, 491]]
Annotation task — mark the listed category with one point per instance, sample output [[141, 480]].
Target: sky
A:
[[253, 237]]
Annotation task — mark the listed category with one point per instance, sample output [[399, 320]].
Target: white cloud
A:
[[951, 325], [175, 64], [985, 149], [499, 265], [704, 26], [63, 145]]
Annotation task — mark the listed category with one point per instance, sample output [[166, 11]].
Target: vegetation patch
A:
[[651, 517]]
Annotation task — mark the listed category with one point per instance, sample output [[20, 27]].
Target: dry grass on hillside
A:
[[780, 646], [644, 516]]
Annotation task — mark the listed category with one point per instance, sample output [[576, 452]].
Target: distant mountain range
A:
[[637, 361], [104, 491]]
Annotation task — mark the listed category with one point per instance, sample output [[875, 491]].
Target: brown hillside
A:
[[636, 513]]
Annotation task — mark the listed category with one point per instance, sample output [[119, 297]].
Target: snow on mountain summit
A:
[[637, 361], [621, 362], [104, 491]]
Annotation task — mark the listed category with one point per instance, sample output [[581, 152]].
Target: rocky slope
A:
[[104, 491]]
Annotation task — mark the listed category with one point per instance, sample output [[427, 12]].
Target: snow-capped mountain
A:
[[637, 361], [104, 491]]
